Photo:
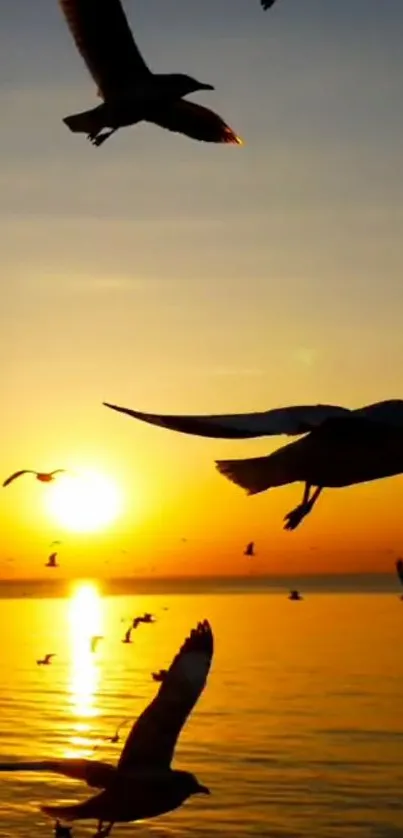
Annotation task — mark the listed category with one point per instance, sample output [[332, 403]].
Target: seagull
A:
[[116, 738], [143, 784], [47, 660], [52, 561], [295, 596], [43, 476], [146, 618], [94, 640], [340, 447], [160, 676], [131, 93], [250, 549], [399, 569], [128, 636]]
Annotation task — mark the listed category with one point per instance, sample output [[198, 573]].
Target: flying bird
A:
[[46, 661], [94, 640], [295, 596], [116, 736], [131, 93], [250, 549], [52, 561], [340, 447], [399, 570], [43, 476], [160, 676], [128, 636], [143, 784], [145, 618]]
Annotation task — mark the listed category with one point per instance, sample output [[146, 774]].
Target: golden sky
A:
[[162, 274]]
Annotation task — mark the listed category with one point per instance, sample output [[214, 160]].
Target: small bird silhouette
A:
[[116, 737], [295, 596], [250, 549], [160, 676], [128, 636], [46, 660], [95, 639], [52, 561], [145, 618], [43, 476], [399, 570]]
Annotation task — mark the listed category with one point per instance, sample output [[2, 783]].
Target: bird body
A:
[[143, 784], [131, 92], [249, 549]]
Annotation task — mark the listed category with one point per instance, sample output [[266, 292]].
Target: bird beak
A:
[[206, 87], [203, 790]]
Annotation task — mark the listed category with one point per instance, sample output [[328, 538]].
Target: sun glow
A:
[[84, 502], [85, 621]]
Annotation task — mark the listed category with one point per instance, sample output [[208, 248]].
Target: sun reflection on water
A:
[[85, 621]]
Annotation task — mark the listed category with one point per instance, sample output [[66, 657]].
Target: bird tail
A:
[[256, 474], [87, 122], [92, 808]]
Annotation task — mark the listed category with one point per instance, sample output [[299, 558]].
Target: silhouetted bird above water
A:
[[131, 92], [145, 618], [47, 660], [43, 476], [143, 784], [295, 596], [341, 447], [94, 640], [52, 561], [250, 549], [128, 636], [399, 571]]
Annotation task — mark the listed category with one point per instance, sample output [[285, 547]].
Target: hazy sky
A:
[[167, 275]]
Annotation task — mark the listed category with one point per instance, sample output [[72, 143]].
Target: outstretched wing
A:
[[399, 568], [153, 736], [95, 774], [282, 420], [17, 474], [103, 38], [49, 657], [194, 121]]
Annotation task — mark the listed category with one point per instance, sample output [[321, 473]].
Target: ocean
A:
[[299, 731]]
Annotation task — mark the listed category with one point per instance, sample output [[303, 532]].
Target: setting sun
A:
[[84, 502]]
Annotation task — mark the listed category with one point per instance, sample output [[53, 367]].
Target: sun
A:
[[84, 502]]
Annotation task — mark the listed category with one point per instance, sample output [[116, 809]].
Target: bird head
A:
[[186, 84], [191, 785]]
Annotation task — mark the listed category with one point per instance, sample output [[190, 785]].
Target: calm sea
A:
[[298, 733]]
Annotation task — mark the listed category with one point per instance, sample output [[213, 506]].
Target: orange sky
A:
[[164, 275]]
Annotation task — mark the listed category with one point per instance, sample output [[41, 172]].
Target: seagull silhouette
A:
[[341, 447], [250, 549], [43, 476], [131, 93], [399, 571], [52, 561], [46, 660], [143, 784], [94, 640], [128, 636], [295, 596], [145, 618]]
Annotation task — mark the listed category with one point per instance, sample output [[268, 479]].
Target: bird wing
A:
[[153, 736], [388, 412], [58, 471], [17, 474], [194, 121], [95, 774], [49, 657], [399, 568], [282, 420], [104, 40]]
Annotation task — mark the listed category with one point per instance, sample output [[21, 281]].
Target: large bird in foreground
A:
[[131, 93], [143, 784], [42, 476], [340, 447]]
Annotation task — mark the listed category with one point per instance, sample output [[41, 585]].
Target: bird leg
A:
[[296, 515], [97, 139]]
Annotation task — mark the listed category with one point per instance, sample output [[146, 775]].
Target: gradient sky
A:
[[166, 275]]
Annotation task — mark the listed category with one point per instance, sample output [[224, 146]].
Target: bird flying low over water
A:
[[94, 640], [143, 784], [131, 93], [128, 636], [46, 661], [145, 618], [250, 549], [52, 561], [399, 571], [341, 447], [43, 476]]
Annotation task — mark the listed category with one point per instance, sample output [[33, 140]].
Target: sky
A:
[[171, 276]]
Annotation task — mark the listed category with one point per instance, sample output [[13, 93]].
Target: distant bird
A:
[[128, 636], [399, 570], [160, 676], [295, 596], [143, 784], [131, 92], [94, 640], [52, 561], [250, 549], [47, 660], [267, 4], [116, 737], [43, 476], [61, 831], [146, 618], [53, 543], [341, 447]]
